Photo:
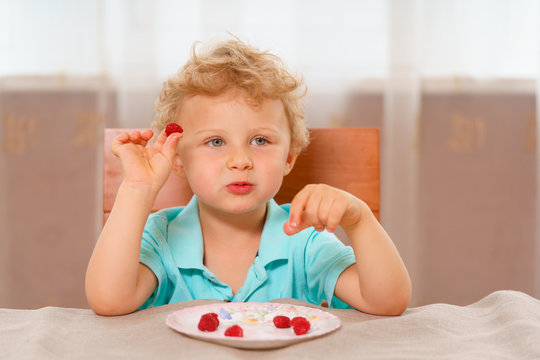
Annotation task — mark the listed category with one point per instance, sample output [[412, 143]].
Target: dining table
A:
[[504, 324]]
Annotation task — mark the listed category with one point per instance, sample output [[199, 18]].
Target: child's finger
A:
[[135, 136], [170, 146], [295, 222], [335, 215], [297, 206], [160, 141], [147, 134], [326, 207], [312, 211], [118, 141], [140, 138], [291, 228], [122, 138]]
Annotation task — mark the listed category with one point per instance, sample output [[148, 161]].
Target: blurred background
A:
[[453, 86]]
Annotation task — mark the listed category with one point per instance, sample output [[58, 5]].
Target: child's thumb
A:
[[169, 149]]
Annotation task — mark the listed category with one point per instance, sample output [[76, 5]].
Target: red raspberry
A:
[[300, 325], [208, 322], [296, 319], [172, 128], [234, 330], [282, 322]]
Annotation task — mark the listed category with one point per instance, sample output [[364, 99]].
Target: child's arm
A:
[[379, 282], [116, 283]]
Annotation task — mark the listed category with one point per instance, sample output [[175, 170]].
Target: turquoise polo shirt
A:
[[303, 266]]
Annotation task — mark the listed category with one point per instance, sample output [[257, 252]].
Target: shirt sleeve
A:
[[326, 257], [153, 246]]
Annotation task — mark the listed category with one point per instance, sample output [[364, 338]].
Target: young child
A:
[[243, 130]]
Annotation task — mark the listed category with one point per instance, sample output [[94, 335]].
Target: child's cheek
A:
[[201, 176], [273, 175]]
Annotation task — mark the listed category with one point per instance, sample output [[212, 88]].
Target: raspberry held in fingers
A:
[[172, 128]]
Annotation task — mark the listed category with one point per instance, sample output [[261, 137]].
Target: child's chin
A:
[[237, 204], [243, 210], [245, 207]]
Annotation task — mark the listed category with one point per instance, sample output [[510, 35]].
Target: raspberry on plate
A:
[[282, 322], [296, 319], [234, 330], [300, 325], [208, 322], [172, 128]]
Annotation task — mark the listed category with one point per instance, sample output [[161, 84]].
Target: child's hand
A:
[[146, 166], [323, 206]]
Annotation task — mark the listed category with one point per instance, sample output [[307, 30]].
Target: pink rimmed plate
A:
[[256, 320]]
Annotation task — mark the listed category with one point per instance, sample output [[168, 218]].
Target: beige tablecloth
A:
[[503, 325]]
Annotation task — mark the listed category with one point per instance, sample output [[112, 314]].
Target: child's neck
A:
[[231, 243]]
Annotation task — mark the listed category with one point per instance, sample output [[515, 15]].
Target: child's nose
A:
[[239, 160]]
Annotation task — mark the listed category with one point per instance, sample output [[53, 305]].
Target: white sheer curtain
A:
[[393, 48], [476, 42], [139, 43], [400, 149]]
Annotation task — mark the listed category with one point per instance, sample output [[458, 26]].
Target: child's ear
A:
[[291, 159], [177, 166]]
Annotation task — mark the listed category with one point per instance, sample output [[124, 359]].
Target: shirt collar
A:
[[185, 237], [274, 242], [186, 244]]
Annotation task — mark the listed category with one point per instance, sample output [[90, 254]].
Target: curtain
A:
[[451, 85]]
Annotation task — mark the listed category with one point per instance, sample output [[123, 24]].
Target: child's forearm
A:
[[383, 278], [113, 270]]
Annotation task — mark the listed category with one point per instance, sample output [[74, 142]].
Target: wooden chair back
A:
[[347, 158]]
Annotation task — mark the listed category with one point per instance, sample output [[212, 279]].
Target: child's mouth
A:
[[240, 187]]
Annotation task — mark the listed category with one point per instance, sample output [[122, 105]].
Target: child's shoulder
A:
[[182, 215]]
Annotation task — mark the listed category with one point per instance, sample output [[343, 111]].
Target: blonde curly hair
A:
[[234, 64]]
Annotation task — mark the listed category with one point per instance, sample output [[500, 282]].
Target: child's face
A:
[[234, 155]]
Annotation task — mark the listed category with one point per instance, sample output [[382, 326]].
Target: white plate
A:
[[256, 320]]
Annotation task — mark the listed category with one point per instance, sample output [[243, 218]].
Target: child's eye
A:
[[215, 142], [259, 141]]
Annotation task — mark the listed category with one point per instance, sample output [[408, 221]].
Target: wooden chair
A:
[[347, 158]]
